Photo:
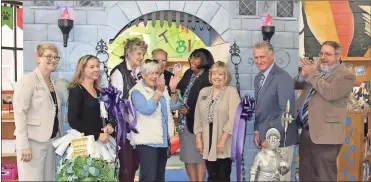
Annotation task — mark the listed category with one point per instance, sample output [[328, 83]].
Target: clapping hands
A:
[[307, 67]]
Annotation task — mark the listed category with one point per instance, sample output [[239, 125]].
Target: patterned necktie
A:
[[304, 109], [261, 82]]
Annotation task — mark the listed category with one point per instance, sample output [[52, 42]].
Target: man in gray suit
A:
[[273, 88]]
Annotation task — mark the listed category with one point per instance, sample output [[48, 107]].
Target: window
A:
[[247, 7], [11, 43], [285, 8], [83, 4], [44, 3]]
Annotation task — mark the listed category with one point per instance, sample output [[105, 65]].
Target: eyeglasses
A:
[[49, 57], [326, 54]]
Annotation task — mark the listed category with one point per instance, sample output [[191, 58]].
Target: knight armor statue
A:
[[269, 163]]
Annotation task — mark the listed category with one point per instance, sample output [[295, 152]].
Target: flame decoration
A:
[[66, 14]]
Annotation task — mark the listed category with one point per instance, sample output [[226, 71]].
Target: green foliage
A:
[[86, 169]]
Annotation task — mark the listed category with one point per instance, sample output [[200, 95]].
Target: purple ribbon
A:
[[115, 107], [244, 112]]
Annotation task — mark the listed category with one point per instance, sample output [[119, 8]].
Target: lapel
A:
[[43, 84], [266, 83]]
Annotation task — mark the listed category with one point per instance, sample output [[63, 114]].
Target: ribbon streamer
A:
[[116, 107], [244, 113]]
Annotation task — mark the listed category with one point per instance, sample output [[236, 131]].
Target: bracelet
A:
[[174, 93]]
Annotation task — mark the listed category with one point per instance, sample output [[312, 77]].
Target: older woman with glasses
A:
[[214, 117], [37, 118], [155, 122]]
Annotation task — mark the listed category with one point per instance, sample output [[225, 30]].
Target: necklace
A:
[[212, 103], [53, 90]]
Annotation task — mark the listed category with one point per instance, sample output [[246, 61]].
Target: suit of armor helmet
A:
[[269, 164]]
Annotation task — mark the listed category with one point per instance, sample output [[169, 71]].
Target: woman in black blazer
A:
[[194, 79]]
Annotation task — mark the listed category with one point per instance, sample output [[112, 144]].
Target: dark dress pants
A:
[[219, 170], [318, 162], [129, 163], [152, 163]]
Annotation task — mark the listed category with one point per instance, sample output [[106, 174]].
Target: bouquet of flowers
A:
[[84, 159]]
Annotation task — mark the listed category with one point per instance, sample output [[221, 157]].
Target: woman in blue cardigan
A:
[[155, 123]]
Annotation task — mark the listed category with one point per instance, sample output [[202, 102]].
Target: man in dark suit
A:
[[273, 88], [161, 56], [321, 110]]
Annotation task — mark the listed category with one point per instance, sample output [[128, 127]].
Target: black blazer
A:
[[200, 83]]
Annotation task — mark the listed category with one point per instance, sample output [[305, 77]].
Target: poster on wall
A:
[[360, 70]]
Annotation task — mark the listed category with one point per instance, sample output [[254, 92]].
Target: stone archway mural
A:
[[108, 22], [210, 12]]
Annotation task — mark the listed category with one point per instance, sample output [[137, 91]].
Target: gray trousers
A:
[[42, 165], [318, 162]]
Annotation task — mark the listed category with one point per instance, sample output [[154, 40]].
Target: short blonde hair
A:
[[78, 77], [133, 44], [41, 48], [221, 66], [159, 50]]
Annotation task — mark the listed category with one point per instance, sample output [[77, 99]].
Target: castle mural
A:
[[348, 22]]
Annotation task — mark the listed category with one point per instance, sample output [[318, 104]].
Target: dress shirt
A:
[[266, 73]]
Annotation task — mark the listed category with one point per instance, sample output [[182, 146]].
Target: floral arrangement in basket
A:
[[84, 159], [360, 98], [86, 169]]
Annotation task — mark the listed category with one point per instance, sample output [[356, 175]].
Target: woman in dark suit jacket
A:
[[193, 81]]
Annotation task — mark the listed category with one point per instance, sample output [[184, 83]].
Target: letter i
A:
[[189, 45]]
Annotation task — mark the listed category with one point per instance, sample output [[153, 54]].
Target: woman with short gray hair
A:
[[155, 123]]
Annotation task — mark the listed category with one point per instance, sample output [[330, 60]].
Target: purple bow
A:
[[244, 112], [116, 107]]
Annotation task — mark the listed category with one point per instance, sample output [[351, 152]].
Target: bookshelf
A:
[[7, 133]]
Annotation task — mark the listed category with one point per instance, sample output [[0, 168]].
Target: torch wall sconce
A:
[[268, 30], [65, 25]]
